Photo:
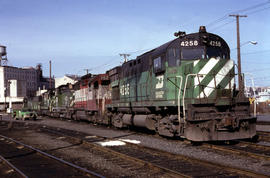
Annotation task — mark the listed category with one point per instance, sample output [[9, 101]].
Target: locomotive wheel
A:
[[255, 139], [195, 143]]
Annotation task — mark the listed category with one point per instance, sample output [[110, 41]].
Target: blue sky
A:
[[89, 34]]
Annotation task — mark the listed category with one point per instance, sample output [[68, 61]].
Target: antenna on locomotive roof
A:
[[125, 56]]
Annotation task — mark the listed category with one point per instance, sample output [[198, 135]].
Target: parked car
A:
[[24, 114]]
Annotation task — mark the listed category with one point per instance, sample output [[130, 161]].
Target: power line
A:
[[256, 52], [217, 21], [253, 7], [260, 70], [241, 10], [221, 26], [255, 62], [139, 51], [253, 12]]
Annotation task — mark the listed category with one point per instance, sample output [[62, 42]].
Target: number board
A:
[[196, 43], [215, 43], [190, 43]]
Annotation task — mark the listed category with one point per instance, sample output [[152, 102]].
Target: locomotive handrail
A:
[[184, 93], [179, 94]]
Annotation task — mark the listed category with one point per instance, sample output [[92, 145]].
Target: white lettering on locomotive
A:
[[190, 43], [124, 89], [215, 43], [159, 94], [160, 82]]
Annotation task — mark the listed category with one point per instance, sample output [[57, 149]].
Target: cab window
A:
[[157, 65], [216, 53], [173, 57], [192, 53]]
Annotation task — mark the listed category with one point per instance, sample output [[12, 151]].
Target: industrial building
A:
[[72, 79], [17, 84]]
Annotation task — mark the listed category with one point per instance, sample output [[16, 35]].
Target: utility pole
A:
[[87, 70], [240, 77], [125, 56], [50, 75]]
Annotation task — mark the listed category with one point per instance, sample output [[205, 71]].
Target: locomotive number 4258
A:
[[190, 43], [196, 43], [215, 43]]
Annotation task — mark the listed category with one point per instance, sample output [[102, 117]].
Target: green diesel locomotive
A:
[[183, 88]]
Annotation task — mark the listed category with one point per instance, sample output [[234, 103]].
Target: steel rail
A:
[[124, 156], [13, 167], [225, 167], [55, 158], [211, 163], [264, 135], [137, 160], [238, 151], [153, 165]]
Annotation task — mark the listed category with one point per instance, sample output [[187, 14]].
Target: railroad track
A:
[[258, 150], [28, 161], [126, 161], [142, 168], [9, 170], [264, 136], [253, 150], [163, 163], [179, 165]]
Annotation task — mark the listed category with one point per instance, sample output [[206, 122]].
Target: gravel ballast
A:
[[169, 145]]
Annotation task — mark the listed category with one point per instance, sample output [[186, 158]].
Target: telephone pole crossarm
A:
[[125, 56]]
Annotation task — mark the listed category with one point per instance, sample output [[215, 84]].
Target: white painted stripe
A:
[[205, 70], [219, 77], [195, 62], [232, 83]]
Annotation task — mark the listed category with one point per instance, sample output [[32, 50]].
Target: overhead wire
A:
[[261, 70], [225, 17], [253, 7], [213, 23], [256, 52], [259, 10], [109, 62], [221, 26]]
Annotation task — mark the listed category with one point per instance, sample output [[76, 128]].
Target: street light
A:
[[249, 42], [240, 77]]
